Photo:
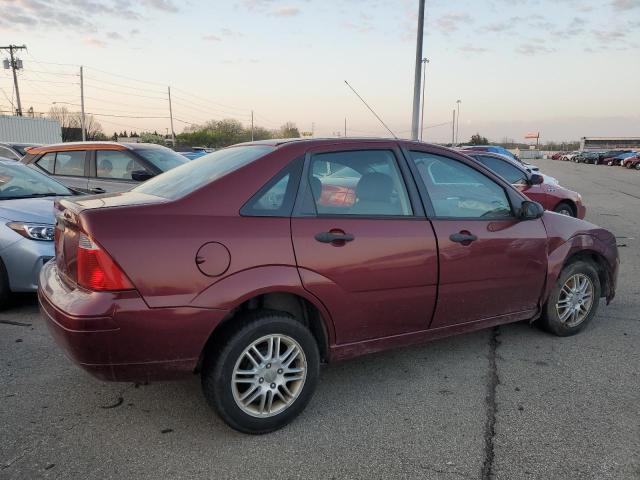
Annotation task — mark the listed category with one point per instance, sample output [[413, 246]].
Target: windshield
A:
[[20, 181], [201, 171], [163, 158]]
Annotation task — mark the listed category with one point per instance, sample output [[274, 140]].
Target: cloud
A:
[[472, 49], [623, 5], [164, 5], [95, 42], [531, 49], [498, 27], [210, 37], [451, 21], [609, 36], [286, 11]]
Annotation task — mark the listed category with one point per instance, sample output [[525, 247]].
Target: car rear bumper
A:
[[116, 336]]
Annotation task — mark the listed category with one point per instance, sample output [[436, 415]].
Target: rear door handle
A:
[[97, 190], [463, 237], [331, 237]]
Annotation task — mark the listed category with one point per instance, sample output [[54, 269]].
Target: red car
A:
[[232, 266], [550, 195], [633, 162], [557, 156]]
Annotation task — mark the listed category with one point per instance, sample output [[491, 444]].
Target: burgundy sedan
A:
[[253, 265], [550, 195]]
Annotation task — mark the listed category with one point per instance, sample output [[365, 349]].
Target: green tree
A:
[[148, 137], [477, 139], [289, 130]]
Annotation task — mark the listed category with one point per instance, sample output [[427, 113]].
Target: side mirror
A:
[[530, 210], [141, 175], [536, 179]]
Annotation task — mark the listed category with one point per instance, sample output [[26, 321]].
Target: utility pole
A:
[[173, 133], [345, 126], [82, 120], [453, 128], [15, 64], [416, 83], [458, 121], [424, 82], [252, 125], [313, 129]]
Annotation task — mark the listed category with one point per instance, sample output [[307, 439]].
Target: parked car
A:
[[549, 194], [587, 157], [501, 151], [103, 167], [629, 159], [264, 282], [557, 156], [196, 152], [567, 157], [617, 160], [26, 226], [633, 162], [610, 154], [14, 151]]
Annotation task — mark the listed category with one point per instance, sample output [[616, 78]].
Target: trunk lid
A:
[[70, 225]]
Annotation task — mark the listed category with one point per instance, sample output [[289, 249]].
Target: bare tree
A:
[[71, 124]]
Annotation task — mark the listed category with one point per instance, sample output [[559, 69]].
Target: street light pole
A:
[[173, 132], [424, 80], [82, 120], [453, 128], [416, 83], [458, 121]]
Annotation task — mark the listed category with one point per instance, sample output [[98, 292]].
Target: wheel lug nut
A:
[[261, 380], [268, 365], [273, 385], [280, 371]]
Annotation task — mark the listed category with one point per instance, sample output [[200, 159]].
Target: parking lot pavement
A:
[[507, 403]]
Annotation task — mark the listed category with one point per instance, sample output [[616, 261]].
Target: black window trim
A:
[[294, 170], [513, 196], [405, 176]]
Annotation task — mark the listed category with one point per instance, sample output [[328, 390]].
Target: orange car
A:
[[102, 167]]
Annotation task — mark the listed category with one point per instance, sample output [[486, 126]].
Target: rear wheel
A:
[[638, 166], [263, 374], [573, 301], [563, 208]]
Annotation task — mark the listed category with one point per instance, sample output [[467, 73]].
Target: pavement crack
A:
[[490, 425], [17, 324]]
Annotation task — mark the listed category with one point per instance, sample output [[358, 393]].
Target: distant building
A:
[[608, 143], [128, 140]]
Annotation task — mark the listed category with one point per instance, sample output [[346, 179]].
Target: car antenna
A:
[[372, 111]]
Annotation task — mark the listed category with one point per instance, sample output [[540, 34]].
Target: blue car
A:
[[196, 152], [619, 159], [26, 226]]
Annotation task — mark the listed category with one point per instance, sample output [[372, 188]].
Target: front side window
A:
[[117, 165], [363, 182], [509, 172], [70, 163], [457, 190]]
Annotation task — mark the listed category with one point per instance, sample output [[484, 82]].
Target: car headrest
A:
[[374, 187]]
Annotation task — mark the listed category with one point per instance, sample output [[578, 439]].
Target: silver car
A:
[[26, 226]]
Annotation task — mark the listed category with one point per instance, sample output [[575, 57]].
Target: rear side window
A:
[[70, 163], [117, 165], [277, 197], [47, 162], [190, 176]]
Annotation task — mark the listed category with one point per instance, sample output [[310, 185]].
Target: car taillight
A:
[[96, 269]]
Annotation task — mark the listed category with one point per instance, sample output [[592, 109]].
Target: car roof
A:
[[69, 146], [316, 141]]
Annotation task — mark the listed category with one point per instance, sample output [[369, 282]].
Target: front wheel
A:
[[563, 208], [5, 291], [638, 166], [573, 302], [263, 374]]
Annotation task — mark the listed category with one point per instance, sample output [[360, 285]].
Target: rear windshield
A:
[[189, 177], [161, 157]]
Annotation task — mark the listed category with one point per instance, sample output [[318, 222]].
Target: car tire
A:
[[5, 291], [564, 208], [554, 314], [638, 166], [230, 394]]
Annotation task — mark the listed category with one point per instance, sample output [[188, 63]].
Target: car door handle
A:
[[331, 237], [97, 190], [463, 237]]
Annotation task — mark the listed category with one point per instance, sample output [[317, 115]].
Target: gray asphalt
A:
[[507, 403]]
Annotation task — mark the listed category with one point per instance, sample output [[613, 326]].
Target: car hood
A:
[[561, 228], [30, 210], [550, 180]]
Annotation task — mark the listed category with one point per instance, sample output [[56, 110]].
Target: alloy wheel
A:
[[269, 376], [575, 300]]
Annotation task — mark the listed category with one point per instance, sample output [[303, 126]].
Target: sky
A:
[[565, 68]]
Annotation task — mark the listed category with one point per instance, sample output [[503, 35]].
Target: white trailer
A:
[[14, 129]]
